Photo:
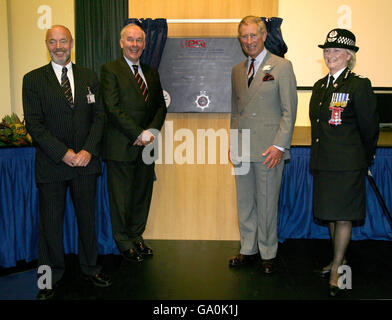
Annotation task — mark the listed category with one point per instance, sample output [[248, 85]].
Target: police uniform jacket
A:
[[349, 144]]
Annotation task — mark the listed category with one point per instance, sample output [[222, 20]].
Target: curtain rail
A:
[[203, 20]]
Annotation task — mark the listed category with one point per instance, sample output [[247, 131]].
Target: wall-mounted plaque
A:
[[196, 73]]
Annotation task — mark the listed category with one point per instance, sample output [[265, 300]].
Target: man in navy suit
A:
[[135, 108], [65, 118]]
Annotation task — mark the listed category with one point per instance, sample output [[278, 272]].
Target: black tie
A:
[[251, 72], [330, 82], [66, 86], [141, 83]]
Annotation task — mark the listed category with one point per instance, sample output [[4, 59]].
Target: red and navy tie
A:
[[141, 83]]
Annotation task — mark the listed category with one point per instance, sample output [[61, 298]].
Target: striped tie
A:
[[66, 86], [251, 72], [141, 83]]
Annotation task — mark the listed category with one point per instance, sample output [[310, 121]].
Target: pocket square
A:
[[268, 77]]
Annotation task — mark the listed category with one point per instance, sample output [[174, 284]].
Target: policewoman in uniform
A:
[[344, 125]]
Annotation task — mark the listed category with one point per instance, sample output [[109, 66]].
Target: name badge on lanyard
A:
[[338, 103], [90, 96]]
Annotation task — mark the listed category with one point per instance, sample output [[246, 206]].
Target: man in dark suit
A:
[[65, 118], [135, 108], [264, 101]]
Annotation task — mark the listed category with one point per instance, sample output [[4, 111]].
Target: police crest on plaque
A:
[[202, 101]]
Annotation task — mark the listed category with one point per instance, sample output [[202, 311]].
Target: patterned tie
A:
[[251, 72], [66, 86], [141, 83]]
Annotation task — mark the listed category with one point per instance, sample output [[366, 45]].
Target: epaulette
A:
[[357, 75]]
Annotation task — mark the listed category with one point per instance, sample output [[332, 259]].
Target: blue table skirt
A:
[[19, 206]]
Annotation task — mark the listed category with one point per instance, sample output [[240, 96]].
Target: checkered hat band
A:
[[345, 40]]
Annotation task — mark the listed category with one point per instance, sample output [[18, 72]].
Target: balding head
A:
[[59, 43]]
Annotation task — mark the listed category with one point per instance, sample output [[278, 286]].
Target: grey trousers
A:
[[257, 201]]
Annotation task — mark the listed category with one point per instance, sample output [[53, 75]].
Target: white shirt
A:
[[335, 76], [58, 70], [140, 71], [258, 60]]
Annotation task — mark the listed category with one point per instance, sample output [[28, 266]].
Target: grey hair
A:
[[132, 25], [253, 19], [351, 63]]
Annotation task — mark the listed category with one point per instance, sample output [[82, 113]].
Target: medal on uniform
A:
[[337, 105]]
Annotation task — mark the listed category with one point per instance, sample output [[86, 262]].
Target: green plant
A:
[[13, 132]]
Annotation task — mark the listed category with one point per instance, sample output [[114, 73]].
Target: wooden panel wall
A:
[[196, 201]]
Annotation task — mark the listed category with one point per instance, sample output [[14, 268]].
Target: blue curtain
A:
[[19, 211], [156, 35], [274, 42], [295, 219]]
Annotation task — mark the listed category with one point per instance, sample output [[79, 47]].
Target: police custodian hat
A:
[[340, 38]]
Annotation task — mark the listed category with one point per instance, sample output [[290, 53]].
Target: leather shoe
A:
[[241, 259], [132, 255], [142, 248], [323, 273], [268, 266], [326, 271], [99, 280], [334, 291], [45, 294]]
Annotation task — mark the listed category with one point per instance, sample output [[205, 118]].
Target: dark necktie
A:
[[330, 82], [251, 72], [141, 83], [66, 86]]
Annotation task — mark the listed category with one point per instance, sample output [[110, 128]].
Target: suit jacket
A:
[[267, 108], [56, 127], [127, 114], [352, 144]]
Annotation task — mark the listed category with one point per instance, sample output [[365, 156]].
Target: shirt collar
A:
[[259, 58], [59, 67], [130, 63], [337, 74]]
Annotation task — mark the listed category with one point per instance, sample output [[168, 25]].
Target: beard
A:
[[64, 59]]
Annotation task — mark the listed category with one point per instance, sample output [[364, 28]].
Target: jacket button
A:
[[320, 103], [317, 140], [318, 120]]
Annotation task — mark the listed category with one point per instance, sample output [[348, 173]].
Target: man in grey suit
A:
[[264, 101]]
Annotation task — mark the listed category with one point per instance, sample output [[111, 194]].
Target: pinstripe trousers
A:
[[52, 199]]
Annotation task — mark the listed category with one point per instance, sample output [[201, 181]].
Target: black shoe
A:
[[99, 280], [132, 255], [45, 294], [334, 291], [142, 248], [323, 273], [241, 259], [268, 266]]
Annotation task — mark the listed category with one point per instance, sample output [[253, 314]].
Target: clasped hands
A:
[[80, 159], [145, 138]]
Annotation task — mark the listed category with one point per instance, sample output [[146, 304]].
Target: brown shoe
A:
[[241, 259], [268, 266]]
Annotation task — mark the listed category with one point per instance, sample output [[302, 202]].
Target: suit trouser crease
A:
[[257, 200], [130, 185], [52, 199]]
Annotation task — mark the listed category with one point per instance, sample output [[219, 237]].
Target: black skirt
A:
[[339, 195]]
